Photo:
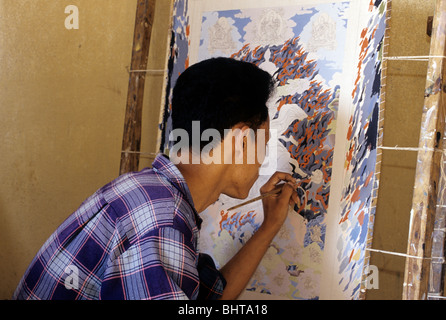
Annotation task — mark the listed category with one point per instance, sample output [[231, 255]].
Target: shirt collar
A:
[[164, 166]]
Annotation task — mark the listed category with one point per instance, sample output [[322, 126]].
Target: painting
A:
[[326, 58]]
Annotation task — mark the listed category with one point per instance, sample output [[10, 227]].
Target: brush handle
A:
[[276, 190]]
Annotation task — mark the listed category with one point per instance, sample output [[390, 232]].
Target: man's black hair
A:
[[221, 92]]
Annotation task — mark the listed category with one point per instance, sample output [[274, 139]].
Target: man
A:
[[136, 237]]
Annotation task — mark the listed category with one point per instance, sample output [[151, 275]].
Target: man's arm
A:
[[241, 267]]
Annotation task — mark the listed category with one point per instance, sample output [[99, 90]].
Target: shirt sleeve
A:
[[162, 265], [212, 282]]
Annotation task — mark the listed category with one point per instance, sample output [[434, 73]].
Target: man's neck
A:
[[204, 182]]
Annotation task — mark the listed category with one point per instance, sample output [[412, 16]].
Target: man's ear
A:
[[239, 145], [245, 132], [237, 137], [240, 140]]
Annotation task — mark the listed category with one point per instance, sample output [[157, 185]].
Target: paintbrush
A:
[[276, 190]]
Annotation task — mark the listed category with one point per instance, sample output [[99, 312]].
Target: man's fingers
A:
[[294, 199], [287, 192], [275, 179]]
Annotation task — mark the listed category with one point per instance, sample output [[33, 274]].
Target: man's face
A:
[[246, 173]]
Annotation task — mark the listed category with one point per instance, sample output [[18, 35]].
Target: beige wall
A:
[[62, 103]]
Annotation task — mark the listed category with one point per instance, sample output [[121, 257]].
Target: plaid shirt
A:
[[135, 238]]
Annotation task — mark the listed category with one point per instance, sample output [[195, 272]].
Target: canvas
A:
[[326, 57]]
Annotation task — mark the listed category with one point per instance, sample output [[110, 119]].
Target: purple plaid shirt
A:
[[135, 238]]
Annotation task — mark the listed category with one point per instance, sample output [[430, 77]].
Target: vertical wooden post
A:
[[131, 141], [427, 173], [438, 266]]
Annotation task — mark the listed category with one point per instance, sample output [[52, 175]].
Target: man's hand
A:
[[240, 268], [275, 207]]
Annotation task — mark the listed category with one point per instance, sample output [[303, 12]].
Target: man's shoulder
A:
[[145, 200], [138, 187]]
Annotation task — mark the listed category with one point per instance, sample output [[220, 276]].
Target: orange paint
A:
[[345, 218], [351, 255], [356, 195], [362, 55], [361, 218], [363, 32], [349, 156], [350, 129], [364, 48], [366, 126], [367, 181], [321, 198], [373, 33], [224, 216]]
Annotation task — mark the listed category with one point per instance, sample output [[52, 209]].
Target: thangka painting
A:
[[326, 57]]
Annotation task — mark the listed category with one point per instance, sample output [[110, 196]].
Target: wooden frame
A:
[[131, 142], [427, 174]]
